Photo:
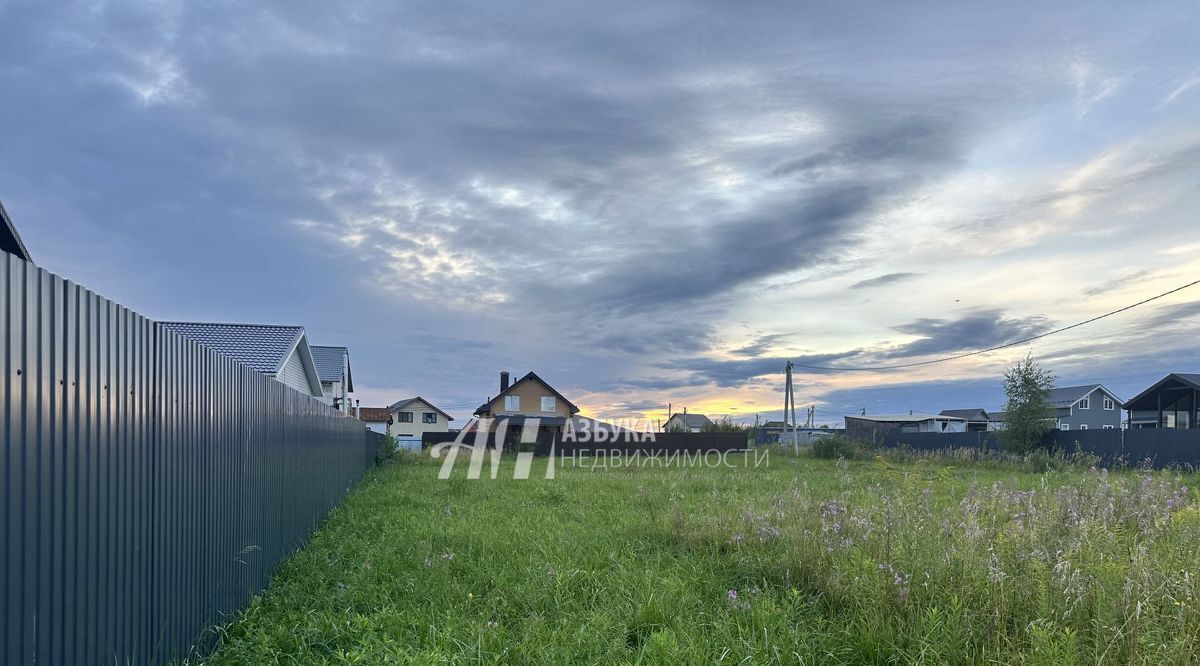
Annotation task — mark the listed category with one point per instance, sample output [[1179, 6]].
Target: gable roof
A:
[[10, 240], [262, 347], [1069, 395], [333, 363], [530, 376], [374, 414], [977, 414], [405, 402], [691, 420], [1186, 378], [905, 418]]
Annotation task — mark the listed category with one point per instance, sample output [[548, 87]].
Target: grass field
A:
[[802, 561]]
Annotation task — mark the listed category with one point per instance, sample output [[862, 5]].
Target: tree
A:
[[1027, 411]]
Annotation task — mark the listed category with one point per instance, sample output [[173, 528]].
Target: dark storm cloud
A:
[[978, 330], [884, 280]]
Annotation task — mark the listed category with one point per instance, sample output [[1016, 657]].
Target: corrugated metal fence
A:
[[1161, 446], [150, 486]]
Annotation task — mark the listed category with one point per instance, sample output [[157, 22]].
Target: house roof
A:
[[1184, 379], [404, 402], [530, 376], [262, 347], [905, 418], [10, 240], [691, 420], [775, 424], [332, 364], [976, 414], [374, 414]]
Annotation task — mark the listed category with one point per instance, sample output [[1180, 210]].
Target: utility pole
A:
[[789, 404]]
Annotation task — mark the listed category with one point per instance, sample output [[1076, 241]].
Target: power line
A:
[[1003, 346]]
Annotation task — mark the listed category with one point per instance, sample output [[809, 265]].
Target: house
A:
[[977, 418], [1172, 402], [377, 418], [337, 382], [528, 398], [1088, 407], [412, 417], [10, 240], [687, 422], [872, 428], [996, 418], [279, 352]]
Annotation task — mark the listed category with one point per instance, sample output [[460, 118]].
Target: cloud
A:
[[884, 280], [979, 330], [452, 190], [1116, 283], [737, 372]]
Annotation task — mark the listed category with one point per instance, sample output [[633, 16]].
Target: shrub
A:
[[834, 447], [385, 449]]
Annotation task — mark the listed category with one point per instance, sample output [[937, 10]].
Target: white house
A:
[[280, 352], [687, 422], [412, 417], [337, 382], [377, 419]]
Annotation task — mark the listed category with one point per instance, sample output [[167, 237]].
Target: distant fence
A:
[[150, 485], [664, 442], [1163, 446]]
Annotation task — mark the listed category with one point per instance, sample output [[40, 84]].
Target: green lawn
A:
[[802, 561]]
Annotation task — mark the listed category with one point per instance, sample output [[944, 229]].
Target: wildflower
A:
[[492, 624], [428, 563], [447, 556], [736, 540], [551, 573], [470, 595], [732, 594]]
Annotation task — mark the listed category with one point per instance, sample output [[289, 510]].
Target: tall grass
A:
[[805, 561]]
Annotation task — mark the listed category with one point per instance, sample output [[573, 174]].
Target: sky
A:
[[645, 203]]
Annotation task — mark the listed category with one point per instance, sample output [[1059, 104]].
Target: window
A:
[[548, 404], [428, 417], [1109, 404], [1107, 427], [1083, 426], [1064, 426], [406, 417], [512, 403], [1086, 403]]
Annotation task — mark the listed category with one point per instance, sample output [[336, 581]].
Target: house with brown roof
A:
[[528, 398], [377, 419]]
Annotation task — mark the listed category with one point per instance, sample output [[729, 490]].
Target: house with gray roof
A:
[[1087, 407], [279, 352], [413, 417], [10, 240], [333, 369], [687, 422], [1171, 402], [976, 418]]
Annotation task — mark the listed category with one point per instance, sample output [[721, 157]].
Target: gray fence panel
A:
[[150, 485], [1161, 446]]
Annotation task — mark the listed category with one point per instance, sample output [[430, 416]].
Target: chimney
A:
[[503, 381]]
